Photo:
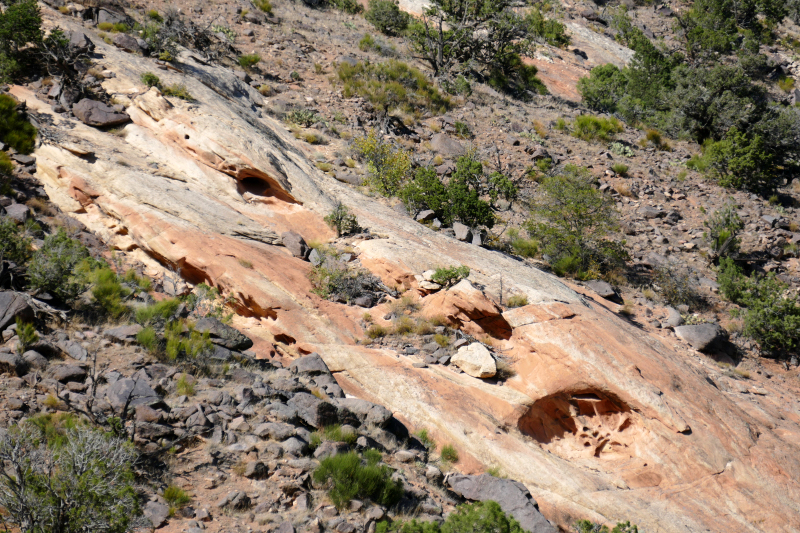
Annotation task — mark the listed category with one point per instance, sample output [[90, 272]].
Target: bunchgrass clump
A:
[[348, 477]]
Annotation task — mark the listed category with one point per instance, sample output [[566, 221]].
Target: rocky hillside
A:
[[602, 402]]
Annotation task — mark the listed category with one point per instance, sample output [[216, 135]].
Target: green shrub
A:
[[26, 335], [449, 453], [585, 526], [190, 344], [108, 292], [387, 17], [464, 191], [478, 517], [248, 61], [517, 300], [178, 90], [376, 331], [392, 86], [342, 220], [82, 481], [335, 433], [786, 84], [157, 312], [184, 386], [263, 5], [545, 30], [20, 34], [351, 7], [348, 478], [387, 164], [523, 247], [723, 227], [335, 279], [462, 131], [150, 79], [571, 220], [424, 437], [590, 128], [620, 168], [148, 339], [772, 317], [154, 15], [14, 246], [15, 131], [447, 276], [460, 86], [105, 26], [54, 267], [303, 117], [176, 498]]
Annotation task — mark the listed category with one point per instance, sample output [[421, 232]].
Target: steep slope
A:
[[602, 421]]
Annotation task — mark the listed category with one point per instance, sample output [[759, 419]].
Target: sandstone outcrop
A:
[[601, 421]]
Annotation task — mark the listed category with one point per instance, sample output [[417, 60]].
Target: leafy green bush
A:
[[189, 344], [26, 335], [585, 526], [369, 43], [675, 285], [176, 498], [351, 7], [157, 312], [772, 317], [154, 15], [387, 164], [15, 130], [81, 481], [572, 220], [517, 300], [335, 433], [521, 246], [263, 5], [447, 276], [620, 168], [723, 227], [449, 453], [348, 478], [54, 267], [184, 386], [178, 90], [464, 193], [150, 79], [387, 17], [590, 128], [545, 30], [478, 517], [342, 220], [14, 246], [20, 35], [303, 117], [148, 339], [620, 149], [248, 61], [108, 292], [392, 86]]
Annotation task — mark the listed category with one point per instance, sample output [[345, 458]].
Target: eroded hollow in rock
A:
[[583, 423], [260, 184]]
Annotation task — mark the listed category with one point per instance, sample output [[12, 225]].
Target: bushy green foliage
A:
[[487, 36], [335, 433], [348, 477], [449, 453], [54, 267], [590, 128], [188, 344], [571, 220], [263, 5], [705, 99], [20, 34], [158, 312], [248, 61], [387, 164], [15, 130], [387, 17], [108, 292], [176, 498], [447, 276], [585, 526], [81, 481], [675, 286], [178, 90], [772, 315], [148, 339], [478, 517], [392, 86], [26, 335], [342, 220], [14, 246], [351, 7], [464, 191], [521, 246], [723, 227], [369, 44], [621, 149], [546, 30], [150, 79], [303, 117]]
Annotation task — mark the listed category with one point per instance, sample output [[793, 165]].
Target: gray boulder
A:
[[11, 363], [651, 212], [18, 212], [134, 392], [98, 114], [313, 411], [295, 243], [444, 145], [79, 42], [367, 412], [157, 513], [129, 43], [73, 349], [463, 233], [512, 496], [223, 334], [274, 430], [674, 318], [312, 365], [124, 334], [67, 373], [702, 336], [602, 288], [35, 360], [14, 305]]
